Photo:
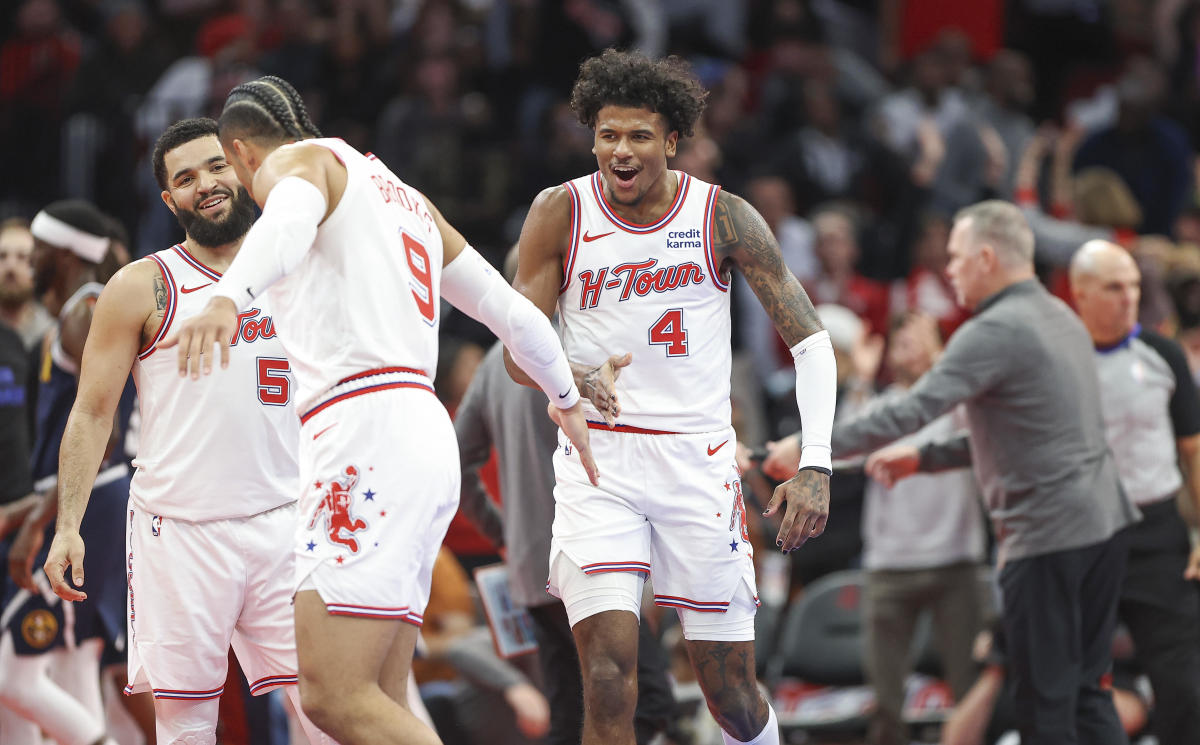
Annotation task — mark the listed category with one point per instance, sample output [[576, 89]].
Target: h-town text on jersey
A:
[[636, 277]]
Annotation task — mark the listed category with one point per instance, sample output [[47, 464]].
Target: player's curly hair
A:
[[665, 86]]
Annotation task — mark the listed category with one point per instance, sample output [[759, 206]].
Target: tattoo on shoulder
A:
[[160, 293], [741, 234]]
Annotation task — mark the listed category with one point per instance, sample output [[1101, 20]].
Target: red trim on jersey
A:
[[370, 156], [674, 601], [633, 227], [604, 567], [576, 219], [368, 611], [197, 263], [168, 316], [381, 371], [360, 392], [628, 429], [262, 685], [709, 252], [185, 695]]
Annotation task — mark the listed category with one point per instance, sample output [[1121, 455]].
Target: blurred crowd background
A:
[[856, 127]]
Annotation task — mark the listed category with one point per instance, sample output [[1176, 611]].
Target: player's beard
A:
[[213, 233]]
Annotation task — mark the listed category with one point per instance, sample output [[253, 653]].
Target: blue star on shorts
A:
[[733, 546], [369, 495], [311, 545]]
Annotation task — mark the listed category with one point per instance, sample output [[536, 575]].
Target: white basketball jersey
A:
[[653, 290], [366, 295], [225, 445]]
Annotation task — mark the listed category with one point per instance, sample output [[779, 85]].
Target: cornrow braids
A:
[[268, 107], [295, 103]]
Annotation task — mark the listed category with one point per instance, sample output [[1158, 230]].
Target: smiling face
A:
[[204, 194], [631, 147]]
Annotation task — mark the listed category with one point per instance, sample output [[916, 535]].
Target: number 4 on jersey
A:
[[668, 331]]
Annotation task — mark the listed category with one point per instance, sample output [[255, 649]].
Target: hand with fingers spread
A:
[[66, 551], [807, 498], [216, 324], [574, 425], [597, 384], [890, 464]]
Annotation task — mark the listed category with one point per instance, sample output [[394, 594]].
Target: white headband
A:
[[79, 242]]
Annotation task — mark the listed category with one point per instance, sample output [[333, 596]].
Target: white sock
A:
[[768, 736]]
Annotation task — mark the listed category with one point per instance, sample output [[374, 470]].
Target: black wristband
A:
[[819, 469]]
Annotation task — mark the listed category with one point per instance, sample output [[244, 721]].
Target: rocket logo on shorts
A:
[[737, 513], [340, 526]]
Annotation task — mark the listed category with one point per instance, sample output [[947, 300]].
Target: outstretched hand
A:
[[598, 385], [216, 324], [895, 462], [807, 498], [66, 551], [573, 424]]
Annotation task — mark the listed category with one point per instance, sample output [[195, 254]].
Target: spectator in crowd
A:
[[839, 281], [1146, 149], [18, 308], [1152, 422], [923, 544], [1008, 95]]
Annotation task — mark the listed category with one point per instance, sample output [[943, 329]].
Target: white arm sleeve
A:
[[816, 396], [277, 242], [475, 288]]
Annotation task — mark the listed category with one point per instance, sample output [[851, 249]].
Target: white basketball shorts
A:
[[669, 506], [197, 588], [379, 478]]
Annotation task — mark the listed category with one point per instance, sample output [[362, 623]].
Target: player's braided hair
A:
[[267, 108], [665, 86]]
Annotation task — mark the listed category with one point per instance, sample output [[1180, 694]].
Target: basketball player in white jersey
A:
[[357, 262], [636, 260], [212, 504]]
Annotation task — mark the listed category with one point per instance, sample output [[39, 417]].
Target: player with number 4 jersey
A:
[[636, 259], [212, 504]]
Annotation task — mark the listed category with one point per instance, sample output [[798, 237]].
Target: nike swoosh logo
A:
[[713, 450], [335, 424], [564, 395], [186, 290], [589, 238]]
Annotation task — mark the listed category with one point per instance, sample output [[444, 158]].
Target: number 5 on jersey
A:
[[668, 331]]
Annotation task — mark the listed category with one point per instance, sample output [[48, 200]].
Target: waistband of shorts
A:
[[629, 429], [369, 381]]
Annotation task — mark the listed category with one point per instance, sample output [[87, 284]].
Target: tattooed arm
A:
[[741, 236], [129, 310]]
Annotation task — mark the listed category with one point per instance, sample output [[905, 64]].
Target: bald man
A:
[[1152, 423]]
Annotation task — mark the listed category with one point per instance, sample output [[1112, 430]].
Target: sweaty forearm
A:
[[79, 460]]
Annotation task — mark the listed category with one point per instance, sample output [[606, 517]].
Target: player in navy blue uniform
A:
[[72, 245]]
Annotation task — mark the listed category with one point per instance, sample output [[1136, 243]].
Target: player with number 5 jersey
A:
[[358, 262]]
